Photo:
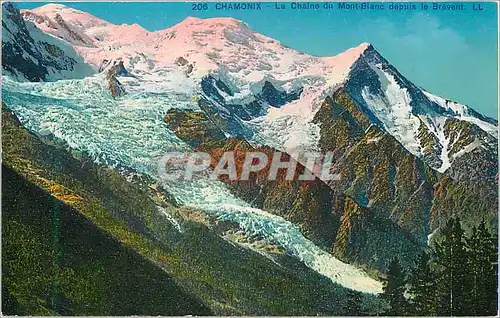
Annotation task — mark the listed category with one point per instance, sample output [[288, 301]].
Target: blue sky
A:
[[449, 53]]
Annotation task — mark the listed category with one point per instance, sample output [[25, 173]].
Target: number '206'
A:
[[199, 6]]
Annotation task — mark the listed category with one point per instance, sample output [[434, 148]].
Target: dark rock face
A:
[[269, 96], [114, 85], [193, 127], [474, 151], [275, 97], [13, 62], [402, 199], [181, 61], [71, 33], [476, 167], [342, 124], [369, 240], [189, 69], [472, 202], [30, 16], [118, 69], [12, 52], [376, 170], [230, 117], [431, 148], [25, 53], [225, 120], [211, 87], [104, 64]]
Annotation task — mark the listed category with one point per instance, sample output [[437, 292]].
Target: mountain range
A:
[[116, 97]]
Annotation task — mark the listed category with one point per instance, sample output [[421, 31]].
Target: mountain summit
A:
[[208, 44], [32, 55], [427, 125]]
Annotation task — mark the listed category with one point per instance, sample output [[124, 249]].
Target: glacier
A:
[[130, 132]]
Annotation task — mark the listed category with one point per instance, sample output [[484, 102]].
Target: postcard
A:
[[249, 158]]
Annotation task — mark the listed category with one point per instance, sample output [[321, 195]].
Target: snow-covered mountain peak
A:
[[226, 48], [69, 14], [222, 45], [209, 22], [54, 7], [420, 121], [338, 66], [29, 54], [81, 28], [361, 48]]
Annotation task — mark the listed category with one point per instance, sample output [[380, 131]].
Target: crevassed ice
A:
[[130, 131]]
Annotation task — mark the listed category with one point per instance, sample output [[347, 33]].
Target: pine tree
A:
[[482, 265], [451, 271], [394, 289], [422, 288], [353, 303]]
